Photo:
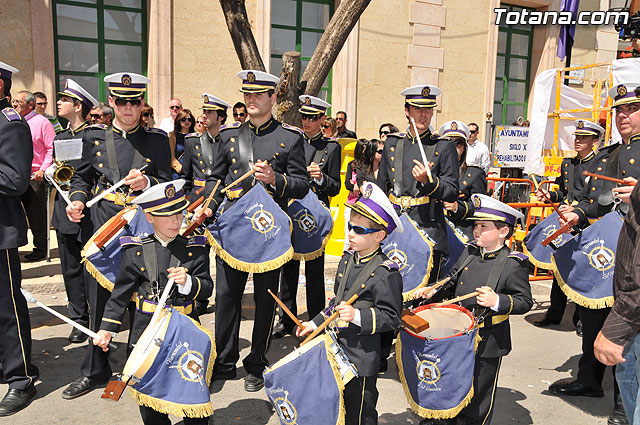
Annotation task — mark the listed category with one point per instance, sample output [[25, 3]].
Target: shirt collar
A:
[[30, 115], [81, 127], [314, 138], [424, 136], [490, 254], [365, 259], [263, 128], [634, 138], [586, 158], [164, 244], [124, 133]]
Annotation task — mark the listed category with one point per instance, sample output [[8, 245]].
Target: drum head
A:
[[90, 247], [146, 349], [445, 321]]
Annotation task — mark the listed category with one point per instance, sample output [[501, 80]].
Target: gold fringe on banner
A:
[[201, 410], [415, 407], [408, 296], [315, 254], [336, 374], [99, 277], [539, 264], [577, 297]]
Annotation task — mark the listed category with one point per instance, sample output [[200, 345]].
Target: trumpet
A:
[[61, 173]]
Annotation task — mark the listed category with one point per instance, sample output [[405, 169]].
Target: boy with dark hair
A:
[[365, 270], [501, 278]]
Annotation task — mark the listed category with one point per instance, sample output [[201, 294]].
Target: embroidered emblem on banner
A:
[[601, 258], [428, 371], [396, 255], [306, 222], [284, 408]]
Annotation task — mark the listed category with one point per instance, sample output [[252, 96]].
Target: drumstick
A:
[[242, 177], [435, 285], [456, 299], [285, 309], [326, 322], [31, 299], [112, 189], [611, 179], [191, 208], [195, 223], [422, 153], [548, 201]]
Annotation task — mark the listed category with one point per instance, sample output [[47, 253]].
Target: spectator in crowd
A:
[[477, 152], [201, 124], [147, 119], [168, 124], [102, 114], [184, 124], [239, 112], [329, 128], [378, 145], [42, 135], [386, 129], [359, 170], [341, 122], [41, 108]]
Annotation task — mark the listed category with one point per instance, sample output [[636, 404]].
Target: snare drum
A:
[[436, 365]]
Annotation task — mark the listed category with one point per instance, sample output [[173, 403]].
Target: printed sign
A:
[[510, 148]]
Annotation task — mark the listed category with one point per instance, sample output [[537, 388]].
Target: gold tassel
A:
[[99, 277], [539, 264], [252, 267], [201, 410], [419, 410], [575, 296]]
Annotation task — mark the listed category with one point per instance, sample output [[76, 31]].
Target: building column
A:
[[160, 57], [44, 72], [345, 78]]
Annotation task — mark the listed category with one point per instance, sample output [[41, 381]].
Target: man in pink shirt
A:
[[42, 134]]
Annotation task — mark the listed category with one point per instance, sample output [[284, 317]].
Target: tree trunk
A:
[[235, 13], [334, 37], [288, 90]]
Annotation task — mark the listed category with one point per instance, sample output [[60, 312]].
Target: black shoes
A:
[[82, 386], [579, 328], [76, 336], [618, 417], [35, 256], [253, 383], [575, 388], [15, 400], [545, 322], [280, 331]]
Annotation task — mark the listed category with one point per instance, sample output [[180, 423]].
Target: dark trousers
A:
[[96, 362], [360, 398], [151, 417], [231, 284], [558, 304], [314, 274], [36, 208], [69, 248], [590, 370], [485, 381], [15, 326]]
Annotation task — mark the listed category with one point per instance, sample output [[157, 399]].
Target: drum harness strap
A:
[[138, 159], [358, 283], [245, 153], [429, 151], [612, 169], [492, 282], [150, 254], [572, 169], [207, 151]]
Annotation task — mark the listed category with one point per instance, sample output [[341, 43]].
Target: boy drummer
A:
[[378, 283], [184, 260], [501, 277]]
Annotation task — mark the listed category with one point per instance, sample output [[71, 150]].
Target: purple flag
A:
[[567, 31]]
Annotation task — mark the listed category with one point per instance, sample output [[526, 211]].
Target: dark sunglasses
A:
[[175, 107], [460, 142], [324, 126], [385, 132], [147, 114], [310, 117], [359, 230], [380, 151], [241, 114], [123, 102], [473, 131], [94, 116], [185, 119]]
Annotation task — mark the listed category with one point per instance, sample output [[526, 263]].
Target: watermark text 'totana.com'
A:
[[535, 17]]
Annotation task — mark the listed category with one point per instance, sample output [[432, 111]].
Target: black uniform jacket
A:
[[281, 144], [329, 165], [445, 172], [16, 154], [200, 152], [618, 161], [192, 253], [513, 290], [93, 175], [473, 180], [579, 182], [379, 302], [59, 219]]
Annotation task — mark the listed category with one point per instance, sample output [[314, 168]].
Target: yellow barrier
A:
[[336, 242]]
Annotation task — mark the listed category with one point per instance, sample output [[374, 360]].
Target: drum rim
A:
[[451, 306]]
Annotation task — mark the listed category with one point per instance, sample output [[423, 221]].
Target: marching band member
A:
[[501, 277], [15, 173], [472, 180], [403, 175], [74, 105], [322, 156], [252, 144], [571, 185], [367, 271], [147, 265], [110, 154]]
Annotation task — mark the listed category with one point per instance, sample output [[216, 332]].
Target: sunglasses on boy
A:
[[123, 102], [359, 230], [310, 117]]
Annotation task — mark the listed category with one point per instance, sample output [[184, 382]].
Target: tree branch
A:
[[235, 13]]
